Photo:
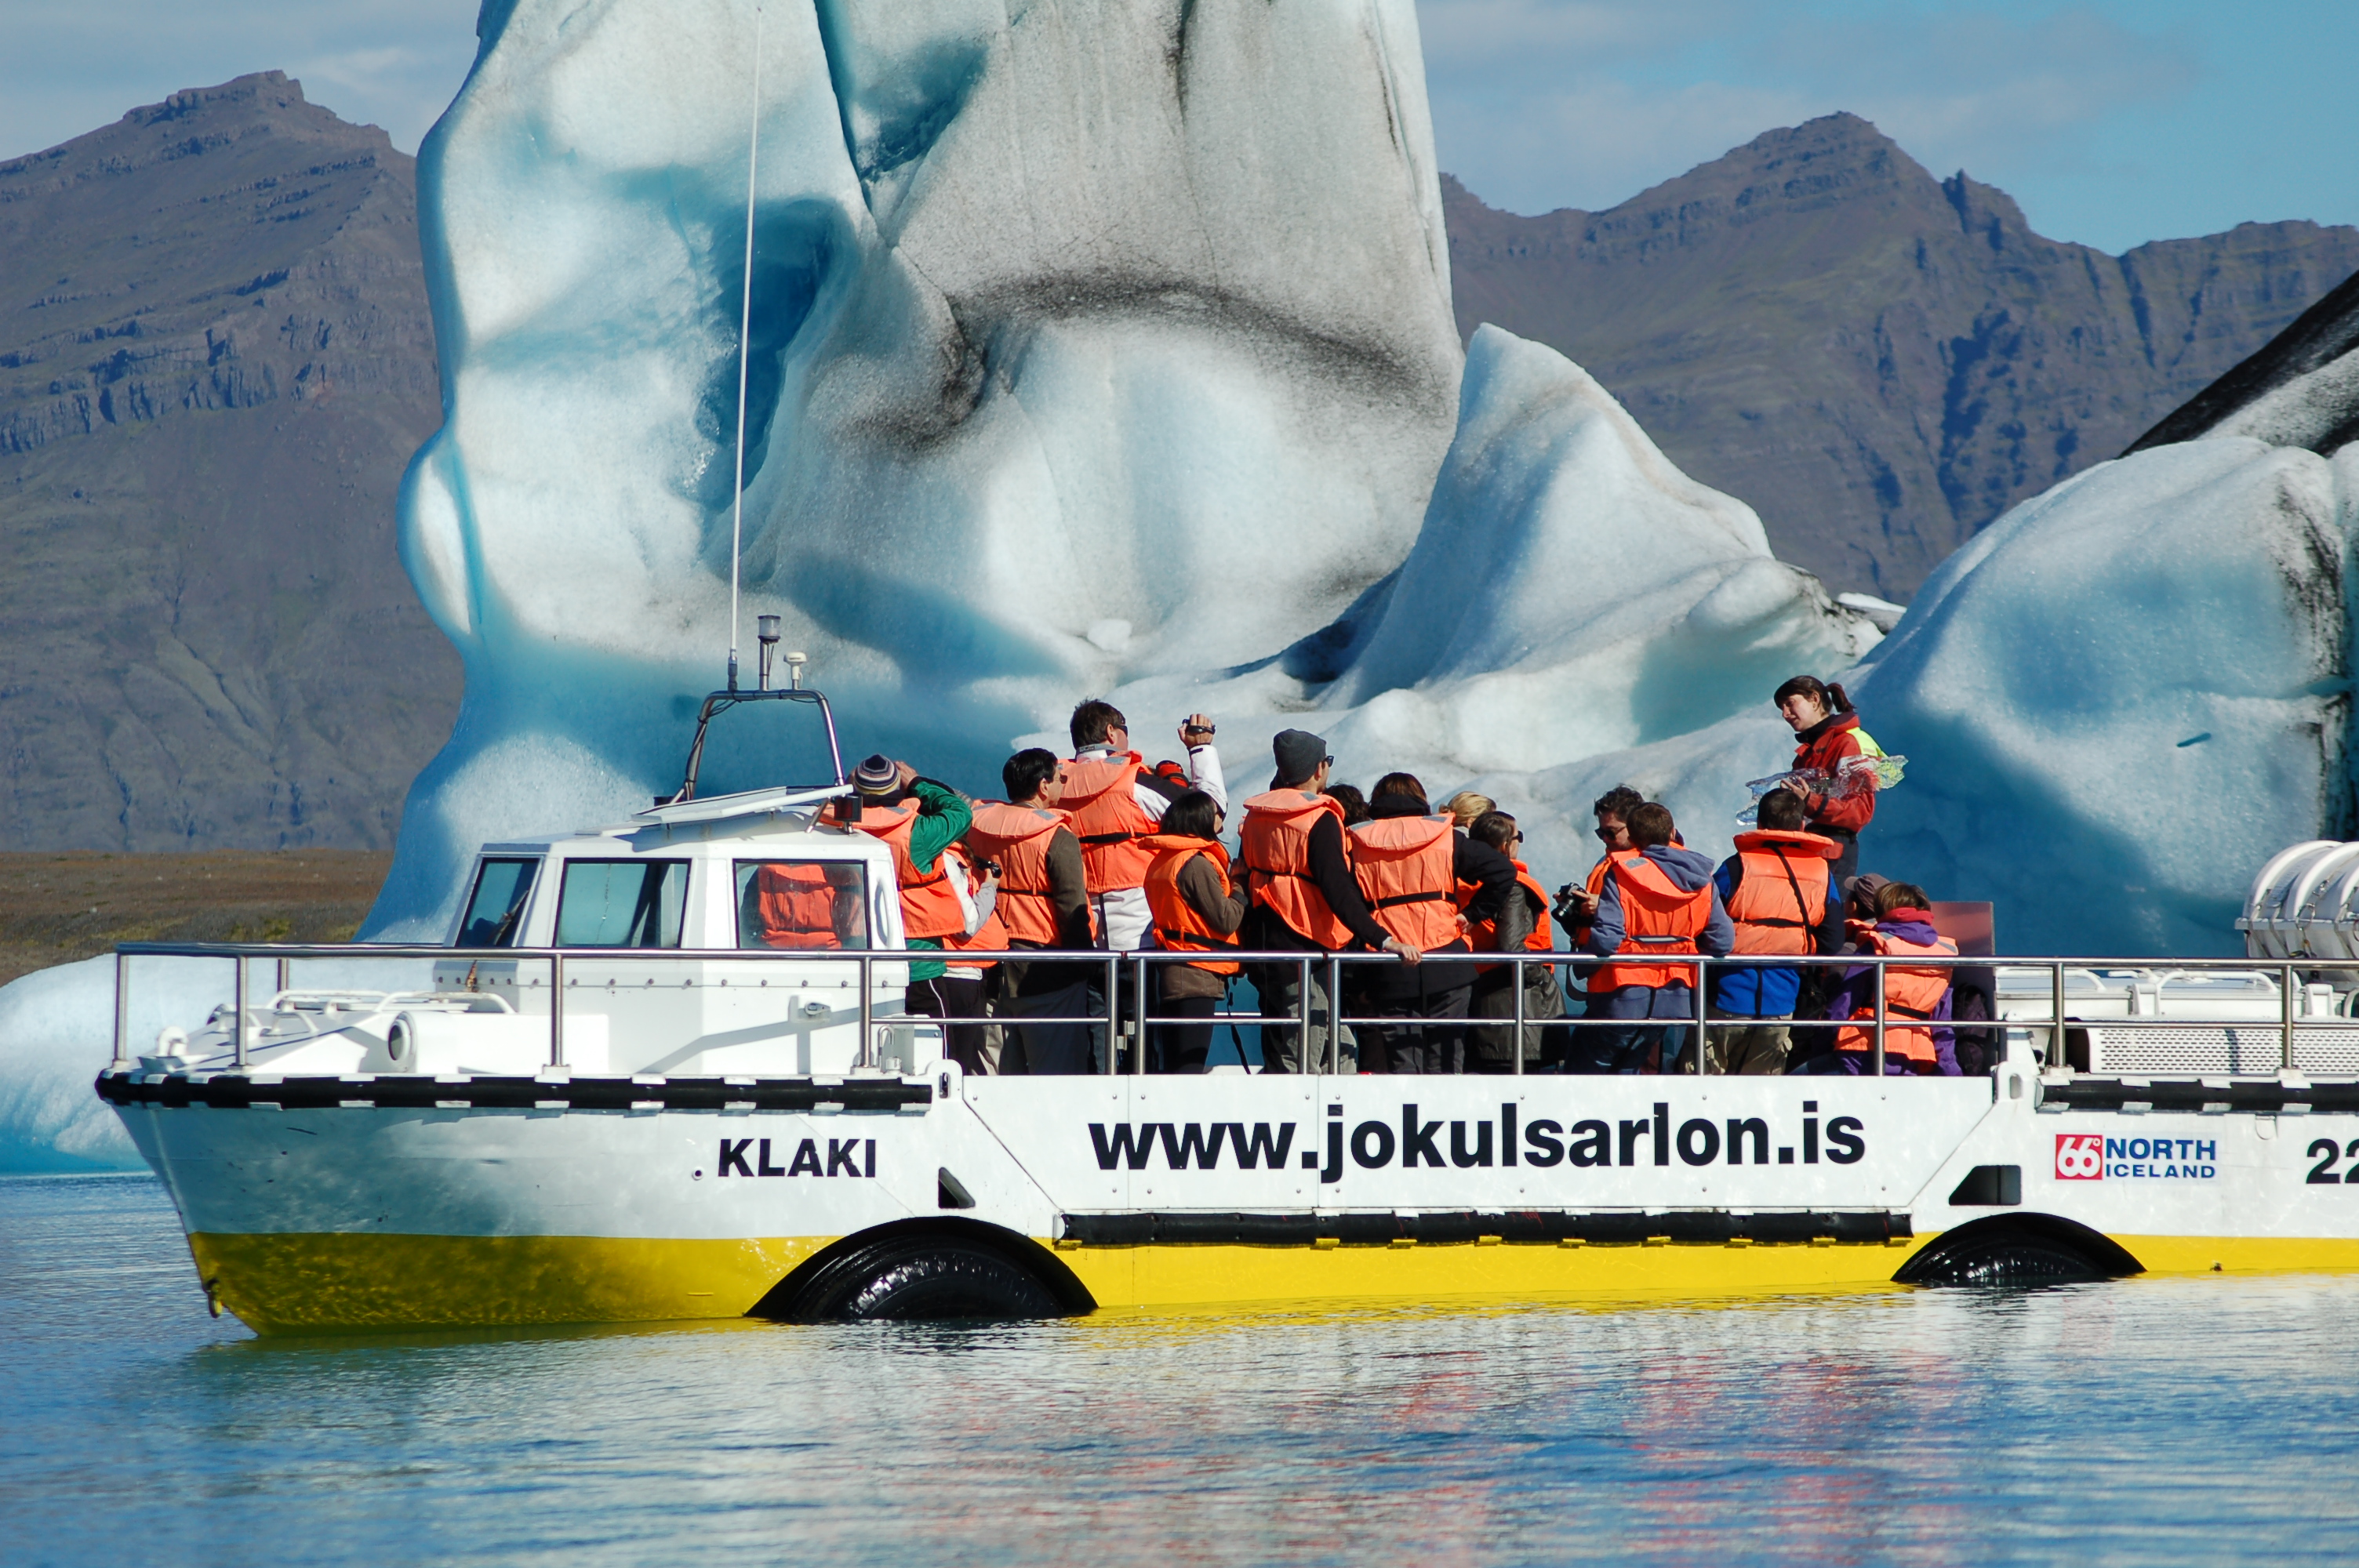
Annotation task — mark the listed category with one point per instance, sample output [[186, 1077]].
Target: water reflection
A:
[[2202, 1418]]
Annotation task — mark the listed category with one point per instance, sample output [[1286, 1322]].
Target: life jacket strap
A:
[[1193, 943], [1400, 898], [1801, 905], [1108, 838], [1659, 941]]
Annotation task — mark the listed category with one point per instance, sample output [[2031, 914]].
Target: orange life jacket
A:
[[794, 906], [930, 906], [1777, 905], [1015, 837], [1907, 994], [1178, 923], [991, 936], [1659, 917], [1483, 935], [1275, 839], [1404, 868], [1108, 820]]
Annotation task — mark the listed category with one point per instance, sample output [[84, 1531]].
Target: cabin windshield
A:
[[496, 909], [762, 739], [803, 903], [621, 904]]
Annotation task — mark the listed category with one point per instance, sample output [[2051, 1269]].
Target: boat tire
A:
[[2018, 1252], [928, 1279]]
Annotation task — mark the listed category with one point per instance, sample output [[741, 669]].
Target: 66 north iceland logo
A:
[[2080, 1157], [2092, 1157]]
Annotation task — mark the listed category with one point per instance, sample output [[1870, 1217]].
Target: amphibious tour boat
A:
[[613, 1097]]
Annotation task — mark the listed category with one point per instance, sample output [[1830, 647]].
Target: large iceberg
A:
[[1086, 342], [1108, 351], [2123, 696], [2116, 702], [1572, 596]]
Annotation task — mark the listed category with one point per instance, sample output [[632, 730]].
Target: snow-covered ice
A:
[[1572, 595], [1085, 362], [57, 1033], [1087, 342], [2122, 698]]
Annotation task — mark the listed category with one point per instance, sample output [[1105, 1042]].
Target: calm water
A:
[[2146, 1421]]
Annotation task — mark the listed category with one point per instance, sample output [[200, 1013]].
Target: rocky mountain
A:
[[1879, 360], [2300, 389], [215, 359]]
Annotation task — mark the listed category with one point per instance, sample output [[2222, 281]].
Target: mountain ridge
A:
[[1878, 360], [207, 399]]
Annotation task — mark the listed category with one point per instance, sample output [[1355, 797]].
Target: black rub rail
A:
[[1720, 1226], [2264, 1097], [385, 1092]]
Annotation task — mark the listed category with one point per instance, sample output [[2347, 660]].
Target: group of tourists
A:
[[1102, 850]]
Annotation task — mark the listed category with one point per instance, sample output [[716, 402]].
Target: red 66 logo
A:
[[2080, 1157]]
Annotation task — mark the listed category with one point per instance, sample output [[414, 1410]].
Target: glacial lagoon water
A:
[[2146, 1421]]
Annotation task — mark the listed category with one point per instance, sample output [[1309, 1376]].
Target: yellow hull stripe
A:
[[2242, 1254], [292, 1283], [309, 1283]]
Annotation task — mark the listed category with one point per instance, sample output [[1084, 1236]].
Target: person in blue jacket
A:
[[1657, 901]]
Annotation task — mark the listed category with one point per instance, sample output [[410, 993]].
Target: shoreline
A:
[[62, 906]]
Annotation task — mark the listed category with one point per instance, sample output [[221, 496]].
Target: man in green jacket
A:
[[943, 818]]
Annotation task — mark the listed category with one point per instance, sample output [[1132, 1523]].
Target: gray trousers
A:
[[1280, 986]]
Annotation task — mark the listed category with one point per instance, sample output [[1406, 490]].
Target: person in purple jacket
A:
[[1917, 1001]]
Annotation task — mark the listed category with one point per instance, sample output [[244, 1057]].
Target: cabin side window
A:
[[496, 909], [621, 904], [803, 903]]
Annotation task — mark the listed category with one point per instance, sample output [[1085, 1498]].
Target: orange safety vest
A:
[[1275, 839], [1907, 994], [1659, 917], [1404, 868], [1178, 926], [1483, 935], [1775, 909], [929, 907], [991, 936], [1016, 838], [1108, 820], [795, 906]]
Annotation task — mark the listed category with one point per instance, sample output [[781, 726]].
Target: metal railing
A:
[[1108, 1009]]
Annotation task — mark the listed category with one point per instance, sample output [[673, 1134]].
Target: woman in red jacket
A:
[[1826, 730]]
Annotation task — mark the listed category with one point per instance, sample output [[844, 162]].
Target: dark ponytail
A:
[[1829, 698]]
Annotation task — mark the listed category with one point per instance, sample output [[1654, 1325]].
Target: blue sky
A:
[[2113, 123]]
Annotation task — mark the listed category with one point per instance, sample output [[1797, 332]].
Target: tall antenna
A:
[[745, 332]]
